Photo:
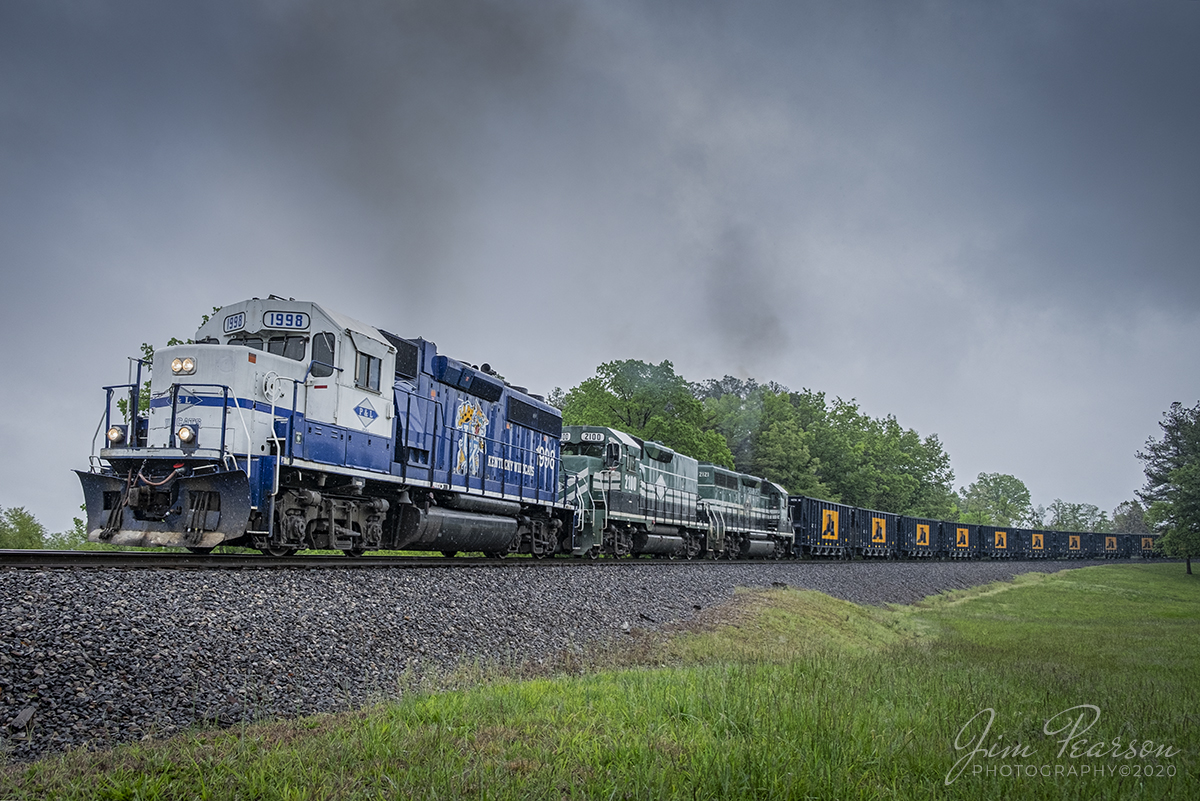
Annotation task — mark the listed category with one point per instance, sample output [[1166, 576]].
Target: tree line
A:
[[20, 529], [813, 445]]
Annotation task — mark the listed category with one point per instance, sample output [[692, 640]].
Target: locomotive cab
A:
[[262, 377], [286, 426]]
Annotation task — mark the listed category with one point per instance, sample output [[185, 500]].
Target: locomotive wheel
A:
[[593, 552]]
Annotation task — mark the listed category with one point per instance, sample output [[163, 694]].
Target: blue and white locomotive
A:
[[286, 426]]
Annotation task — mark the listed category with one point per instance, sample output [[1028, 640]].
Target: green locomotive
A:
[[631, 496], [634, 497], [745, 516]]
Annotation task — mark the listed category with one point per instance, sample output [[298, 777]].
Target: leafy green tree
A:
[[148, 359], [648, 401], [74, 539], [1078, 517], [1172, 490], [1130, 518], [996, 499], [20, 529], [735, 409], [834, 430], [875, 463], [780, 449], [935, 481]]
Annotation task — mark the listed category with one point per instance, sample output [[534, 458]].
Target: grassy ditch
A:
[[782, 694]]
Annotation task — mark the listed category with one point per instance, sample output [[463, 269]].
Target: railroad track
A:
[[36, 559], [158, 560]]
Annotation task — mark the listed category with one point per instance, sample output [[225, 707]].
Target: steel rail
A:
[[36, 559], [41, 559]]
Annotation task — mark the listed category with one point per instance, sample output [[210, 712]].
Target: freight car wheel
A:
[[449, 554], [201, 551], [278, 550], [354, 552]]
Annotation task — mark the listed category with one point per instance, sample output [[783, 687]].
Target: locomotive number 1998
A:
[[275, 319]]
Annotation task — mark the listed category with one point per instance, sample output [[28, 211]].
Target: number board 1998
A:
[[277, 319]]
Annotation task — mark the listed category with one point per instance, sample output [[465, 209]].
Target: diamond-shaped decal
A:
[[366, 412]]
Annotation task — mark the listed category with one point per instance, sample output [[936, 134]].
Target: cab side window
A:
[[366, 373], [322, 351]]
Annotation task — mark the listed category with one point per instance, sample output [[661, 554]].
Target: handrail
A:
[[295, 397], [225, 392], [108, 403], [278, 449]]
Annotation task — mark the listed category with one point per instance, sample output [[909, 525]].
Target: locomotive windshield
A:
[[593, 449], [291, 347], [255, 342]]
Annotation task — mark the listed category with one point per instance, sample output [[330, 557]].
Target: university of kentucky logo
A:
[[472, 425]]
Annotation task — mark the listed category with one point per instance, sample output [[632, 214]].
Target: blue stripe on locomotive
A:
[[445, 434]]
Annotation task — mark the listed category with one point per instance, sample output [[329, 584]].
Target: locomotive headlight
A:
[[177, 366], [184, 366], [186, 434], [116, 435]]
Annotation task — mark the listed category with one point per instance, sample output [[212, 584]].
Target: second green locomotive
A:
[[635, 496]]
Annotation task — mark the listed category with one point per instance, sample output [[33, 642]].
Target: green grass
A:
[[782, 694]]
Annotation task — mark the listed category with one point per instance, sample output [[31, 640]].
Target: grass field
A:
[[784, 694]]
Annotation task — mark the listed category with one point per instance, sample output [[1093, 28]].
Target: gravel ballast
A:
[[97, 657]]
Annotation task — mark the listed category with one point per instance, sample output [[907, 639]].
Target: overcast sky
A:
[[981, 217]]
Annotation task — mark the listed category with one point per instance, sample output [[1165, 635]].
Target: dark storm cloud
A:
[[743, 307], [399, 101], [1069, 123]]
